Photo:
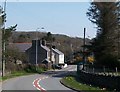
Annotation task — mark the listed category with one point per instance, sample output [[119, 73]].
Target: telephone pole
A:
[[119, 45], [36, 61], [84, 49]]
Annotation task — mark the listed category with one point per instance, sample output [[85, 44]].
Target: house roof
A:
[[21, 46], [45, 47], [25, 46], [57, 51]]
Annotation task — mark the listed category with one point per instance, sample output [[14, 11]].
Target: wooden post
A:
[[84, 49]]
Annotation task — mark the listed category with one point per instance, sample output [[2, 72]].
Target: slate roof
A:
[[25, 46], [45, 47], [57, 51], [21, 46]]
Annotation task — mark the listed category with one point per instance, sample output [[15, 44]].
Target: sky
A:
[[68, 18]]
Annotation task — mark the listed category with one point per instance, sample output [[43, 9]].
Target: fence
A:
[[102, 70]]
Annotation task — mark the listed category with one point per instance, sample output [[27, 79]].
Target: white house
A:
[[59, 57]]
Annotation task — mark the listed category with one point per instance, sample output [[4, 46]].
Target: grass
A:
[[27, 71], [119, 73], [15, 74], [71, 82], [0, 78]]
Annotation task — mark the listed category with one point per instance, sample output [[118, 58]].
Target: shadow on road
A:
[[59, 74]]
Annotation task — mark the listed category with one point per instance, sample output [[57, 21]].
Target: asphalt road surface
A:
[[46, 82]]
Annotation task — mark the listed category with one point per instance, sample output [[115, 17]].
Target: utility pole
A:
[[36, 48], [36, 53], [4, 44], [36, 61], [118, 44], [84, 49]]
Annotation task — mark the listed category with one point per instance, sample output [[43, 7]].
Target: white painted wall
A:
[[53, 57], [61, 59]]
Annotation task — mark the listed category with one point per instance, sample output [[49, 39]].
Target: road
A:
[[48, 81]]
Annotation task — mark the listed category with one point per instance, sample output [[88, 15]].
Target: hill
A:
[[64, 43]]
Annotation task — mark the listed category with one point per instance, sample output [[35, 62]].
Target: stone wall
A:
[[104, 81]]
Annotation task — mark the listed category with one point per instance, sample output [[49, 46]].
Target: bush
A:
[[43, 66], [34, 69], [30, 68]]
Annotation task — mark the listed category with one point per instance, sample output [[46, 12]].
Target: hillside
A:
[[65, 43]]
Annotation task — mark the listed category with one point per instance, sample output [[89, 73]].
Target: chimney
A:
[[34, 43], [43, 42], [53, 47]]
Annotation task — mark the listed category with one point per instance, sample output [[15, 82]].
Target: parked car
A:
[[56, 66]]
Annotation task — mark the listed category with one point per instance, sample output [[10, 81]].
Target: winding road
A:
[[45, 82]]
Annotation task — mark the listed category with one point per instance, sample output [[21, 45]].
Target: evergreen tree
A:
[[106, 16]]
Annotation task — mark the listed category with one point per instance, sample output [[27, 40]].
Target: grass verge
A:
[[15, 74], [29, 70], [71, 82], [0, 78]]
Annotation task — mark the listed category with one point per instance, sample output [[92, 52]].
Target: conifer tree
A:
[[106, 16]]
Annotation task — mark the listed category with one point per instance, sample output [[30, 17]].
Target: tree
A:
[[106, 16], [5, 38], [49, 37], [2, 17], [6, 33], [13, 54], [2, 20], [1, 23]]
